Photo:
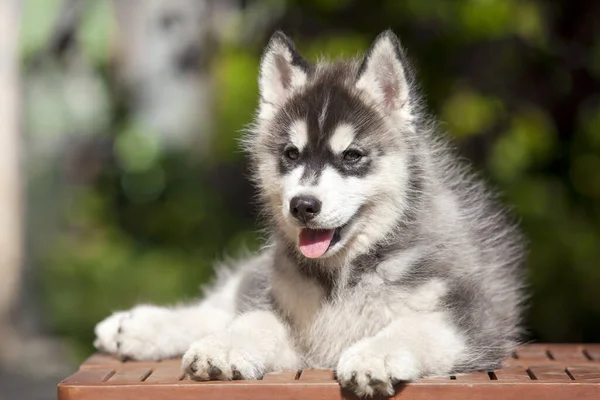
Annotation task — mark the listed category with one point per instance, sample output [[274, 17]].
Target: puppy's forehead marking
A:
[[342, 137], [323, 113], [299, 133]]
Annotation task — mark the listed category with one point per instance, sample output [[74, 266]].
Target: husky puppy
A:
[[387, 260]]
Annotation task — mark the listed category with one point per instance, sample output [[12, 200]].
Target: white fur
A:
[[148, 332], [266, 111], [254, 344], [155, 333], [299, 134], [392, 269], [323, 113], [342, 138], [337, 205], [410, 347], [426, 297], [300, 298]]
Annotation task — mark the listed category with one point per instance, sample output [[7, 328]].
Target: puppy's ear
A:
[[282, 70], [383, 73]]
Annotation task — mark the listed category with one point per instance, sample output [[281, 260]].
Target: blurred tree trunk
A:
[[11, 232]]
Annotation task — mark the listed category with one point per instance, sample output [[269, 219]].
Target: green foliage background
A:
[[514, 82]]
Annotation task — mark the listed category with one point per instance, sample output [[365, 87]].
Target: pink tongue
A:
[[314, 243]]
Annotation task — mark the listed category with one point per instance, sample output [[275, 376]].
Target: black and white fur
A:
[[421, 278]]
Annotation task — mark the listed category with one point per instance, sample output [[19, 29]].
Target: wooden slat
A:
[[567, 353], [130, 375], [436, 379], [585, 373], [283, 376], [474, 377], [241, 390], [534, 351], [173, 362], [549, 373], [524, 363], [165, 374], [513, 362], [89, 376], [593, 351], [100, 360], [316, 375], [512, 374]]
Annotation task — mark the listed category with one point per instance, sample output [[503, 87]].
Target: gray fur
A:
[[427, 246]]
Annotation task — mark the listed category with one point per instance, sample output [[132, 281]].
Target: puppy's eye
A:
[[292, 153], [352, 155]]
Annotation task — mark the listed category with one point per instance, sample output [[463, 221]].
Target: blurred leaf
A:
[[530, 140], [37, 21], [529, 23], [585, 175], [486, 18], [135, 149], [594, 59], [237, 96], [335, 46], [328, 5], [145, 185], [469, 113], [96, 29], [589, 122], [423, 10]]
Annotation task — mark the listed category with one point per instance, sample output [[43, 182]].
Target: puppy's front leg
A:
[[148, 332], [409, 348], [254, 344]]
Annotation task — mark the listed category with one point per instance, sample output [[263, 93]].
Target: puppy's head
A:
[[330, 144]]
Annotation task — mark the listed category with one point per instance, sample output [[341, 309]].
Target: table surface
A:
[[535, 371]]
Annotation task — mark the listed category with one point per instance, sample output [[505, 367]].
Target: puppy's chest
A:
[[324, 324], [303, 300], [320, 318], [297, 298]]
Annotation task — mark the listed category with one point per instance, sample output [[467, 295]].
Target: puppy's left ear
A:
[[383, 74], [282, 69]]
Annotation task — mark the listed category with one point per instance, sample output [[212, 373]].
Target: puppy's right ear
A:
[[383, 74], [282, 70]]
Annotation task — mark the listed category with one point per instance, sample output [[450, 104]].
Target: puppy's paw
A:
[[107, 332], [366, 369], [218, 357], [143, 333]]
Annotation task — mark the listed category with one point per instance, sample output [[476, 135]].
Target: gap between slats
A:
[[130, 375], [165, 374]]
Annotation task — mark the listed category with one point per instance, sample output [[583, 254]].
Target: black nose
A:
[[305, 208]]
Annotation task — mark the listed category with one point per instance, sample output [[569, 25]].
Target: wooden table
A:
[[536, 371]]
